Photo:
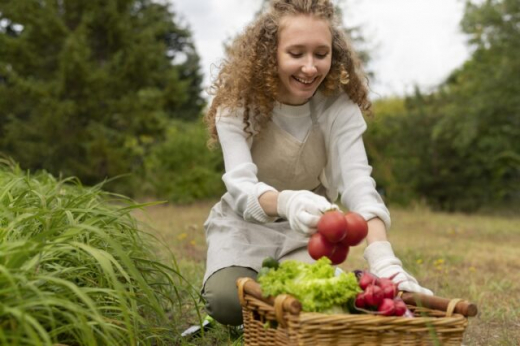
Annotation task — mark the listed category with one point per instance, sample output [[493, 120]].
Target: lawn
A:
[[474, 257]]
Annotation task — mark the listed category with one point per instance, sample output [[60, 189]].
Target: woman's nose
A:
[[309, 67]]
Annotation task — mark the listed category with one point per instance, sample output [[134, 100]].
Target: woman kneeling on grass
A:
[[287, 114]]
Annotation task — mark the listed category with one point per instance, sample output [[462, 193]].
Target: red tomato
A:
[[357, 229], [319, 246], [333, 225], [340, 253]]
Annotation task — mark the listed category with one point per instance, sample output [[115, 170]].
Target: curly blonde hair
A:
[[248, 78]]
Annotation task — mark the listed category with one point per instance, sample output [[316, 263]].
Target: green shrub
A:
[[394, 150], [182, 169], [75, 269]]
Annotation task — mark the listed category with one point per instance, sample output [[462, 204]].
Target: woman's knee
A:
[[221, 295]]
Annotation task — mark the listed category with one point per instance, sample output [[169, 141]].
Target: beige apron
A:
[[284, 163]]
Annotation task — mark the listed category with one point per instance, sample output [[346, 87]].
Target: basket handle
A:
[[279, 308], [458, 306], [252, 288]]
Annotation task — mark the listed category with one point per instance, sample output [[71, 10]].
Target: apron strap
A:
[[314, 116], [312, 103]]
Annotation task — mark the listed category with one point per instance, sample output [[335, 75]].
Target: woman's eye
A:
[[295, 55], [322, 56]]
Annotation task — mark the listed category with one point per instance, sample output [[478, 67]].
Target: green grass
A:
[[474, 257], [75, 268]]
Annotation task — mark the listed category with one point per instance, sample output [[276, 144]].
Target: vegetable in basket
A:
[[316, 285], [379, 296]]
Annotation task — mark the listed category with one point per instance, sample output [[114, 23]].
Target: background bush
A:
[[182, 168], [457, 148]]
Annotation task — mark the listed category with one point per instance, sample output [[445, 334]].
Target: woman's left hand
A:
[[302, 209], [383, 263]]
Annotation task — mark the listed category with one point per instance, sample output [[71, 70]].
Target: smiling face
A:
[[304, 57]]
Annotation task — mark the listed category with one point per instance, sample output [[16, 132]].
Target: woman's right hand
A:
[[383, 263], [302, 209]]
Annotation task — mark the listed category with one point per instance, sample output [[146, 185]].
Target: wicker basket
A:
[[279, 321]]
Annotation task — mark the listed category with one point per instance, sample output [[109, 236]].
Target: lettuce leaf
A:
[[315, 285]]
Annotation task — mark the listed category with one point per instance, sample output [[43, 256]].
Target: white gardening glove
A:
[[302, 209], [383, 263]]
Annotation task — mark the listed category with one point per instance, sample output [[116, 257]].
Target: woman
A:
[[287, 114]]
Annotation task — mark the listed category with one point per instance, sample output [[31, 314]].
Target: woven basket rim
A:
[[304, 315], [295, 327], [281, 311]]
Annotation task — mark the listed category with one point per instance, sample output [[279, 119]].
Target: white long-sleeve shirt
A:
[[347, 172]]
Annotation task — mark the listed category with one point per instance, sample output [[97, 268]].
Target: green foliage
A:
[[458, 147], [390, 141], [87, 88], [476, 139], [75, 269], [315, 285], [182, 168], [485, 93]]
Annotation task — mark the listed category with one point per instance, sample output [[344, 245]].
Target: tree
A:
[[460, 143], [477, 137], [87, 87]]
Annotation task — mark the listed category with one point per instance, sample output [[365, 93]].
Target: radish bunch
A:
[[337, 232], [379, 296]]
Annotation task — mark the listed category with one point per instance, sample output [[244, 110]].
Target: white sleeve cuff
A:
[[381, 213], [254, 211]]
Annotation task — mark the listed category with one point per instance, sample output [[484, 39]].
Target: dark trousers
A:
[[221, 295]]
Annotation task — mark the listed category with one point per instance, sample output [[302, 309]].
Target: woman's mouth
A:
[[305, 81]]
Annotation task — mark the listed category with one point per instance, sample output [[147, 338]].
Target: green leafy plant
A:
[[315, 285], [182, 169], [75, 269]]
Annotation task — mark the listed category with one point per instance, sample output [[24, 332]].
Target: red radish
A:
[[400, 307], [391, 277], [360, 300], [389, 291], [367, 279], [373, 296], [357, 229], [319, 246], [333, 225], [387, 307], [340, 254], [389, 287]]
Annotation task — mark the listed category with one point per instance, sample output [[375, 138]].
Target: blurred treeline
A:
[[99, 89], [458, 148]]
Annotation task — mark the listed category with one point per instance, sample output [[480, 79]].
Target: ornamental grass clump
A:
[[76, 270]]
